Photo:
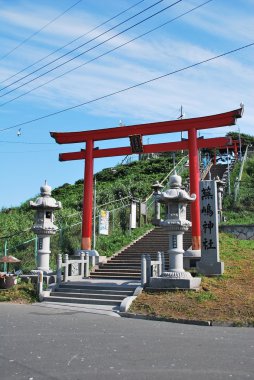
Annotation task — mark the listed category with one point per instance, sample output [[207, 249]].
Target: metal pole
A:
[[229, 187], [240, 144], [5, 254]]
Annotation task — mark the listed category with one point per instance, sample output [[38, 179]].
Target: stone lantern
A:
[[157, 212], [44, 225], [176, 200]]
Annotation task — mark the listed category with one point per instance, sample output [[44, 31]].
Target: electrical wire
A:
[[24, 142], [76, 48], [129, 88], [103, 54], [72, 41], [38, 31]]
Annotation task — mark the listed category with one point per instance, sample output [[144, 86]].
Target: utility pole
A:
[[180, 118]]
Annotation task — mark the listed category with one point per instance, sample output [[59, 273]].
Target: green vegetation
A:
[[21, 293], [241, 211]]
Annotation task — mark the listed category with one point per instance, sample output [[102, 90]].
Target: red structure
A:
[[192, 145]]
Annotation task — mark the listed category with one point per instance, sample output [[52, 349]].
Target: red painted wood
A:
[[151, 148], [213, 121], [194, 188], [88, 198]]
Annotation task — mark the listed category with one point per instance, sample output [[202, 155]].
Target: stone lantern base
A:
[[175, 280], [191, 257]]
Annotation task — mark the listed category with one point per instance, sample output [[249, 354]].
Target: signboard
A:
[[104, 222], [209, 218], [210, 257], [133, 216]]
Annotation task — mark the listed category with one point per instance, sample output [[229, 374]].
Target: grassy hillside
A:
[[241, 210], [125, 181], [117, 185], [227, 298]]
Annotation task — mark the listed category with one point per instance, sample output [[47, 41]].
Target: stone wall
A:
[[242, 232]]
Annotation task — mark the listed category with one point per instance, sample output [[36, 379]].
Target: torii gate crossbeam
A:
[[192, 144]]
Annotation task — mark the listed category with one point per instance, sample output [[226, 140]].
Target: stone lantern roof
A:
[[175, 194], [45, 201]]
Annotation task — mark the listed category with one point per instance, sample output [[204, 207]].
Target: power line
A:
[[128, 88], [29, 151], [72, 41], [24, 142], [106, 53], [38, 31], [76, 48]]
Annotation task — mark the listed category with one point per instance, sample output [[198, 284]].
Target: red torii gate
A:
[[192, 144]]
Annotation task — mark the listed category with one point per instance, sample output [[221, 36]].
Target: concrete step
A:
[[97, 287], [115, 276], [93, 290], [77, 300], [113, 272], [120, 265], [100, 297], [120, 270]]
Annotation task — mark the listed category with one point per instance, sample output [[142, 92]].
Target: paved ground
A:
[[39, 343]]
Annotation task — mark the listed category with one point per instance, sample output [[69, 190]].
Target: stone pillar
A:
[[209, 264]]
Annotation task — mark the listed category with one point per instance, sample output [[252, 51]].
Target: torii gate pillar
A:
[[88, 197], [194, 187]]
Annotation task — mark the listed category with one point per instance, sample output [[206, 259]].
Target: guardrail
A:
[[151, 268], [67, 266]]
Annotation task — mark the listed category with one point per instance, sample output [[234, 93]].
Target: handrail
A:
[[206, 170], [237, 183], [185, 159]]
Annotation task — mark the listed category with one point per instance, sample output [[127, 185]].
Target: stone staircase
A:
[[219, 170], [127, 263], [105, 296]]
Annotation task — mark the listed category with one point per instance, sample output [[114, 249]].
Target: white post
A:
[[148, 269], [82, 264], [87, 265], [40, 284], [66, 268], [159, 258], [143, 270], [59, 269], [163, 261]]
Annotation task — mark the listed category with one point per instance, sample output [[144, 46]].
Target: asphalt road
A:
[[40, 343]]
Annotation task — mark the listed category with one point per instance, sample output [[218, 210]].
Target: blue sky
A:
[[214, 87]]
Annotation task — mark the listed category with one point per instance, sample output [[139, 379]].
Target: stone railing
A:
[[240, 231], [79, 267], [151, 268]]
